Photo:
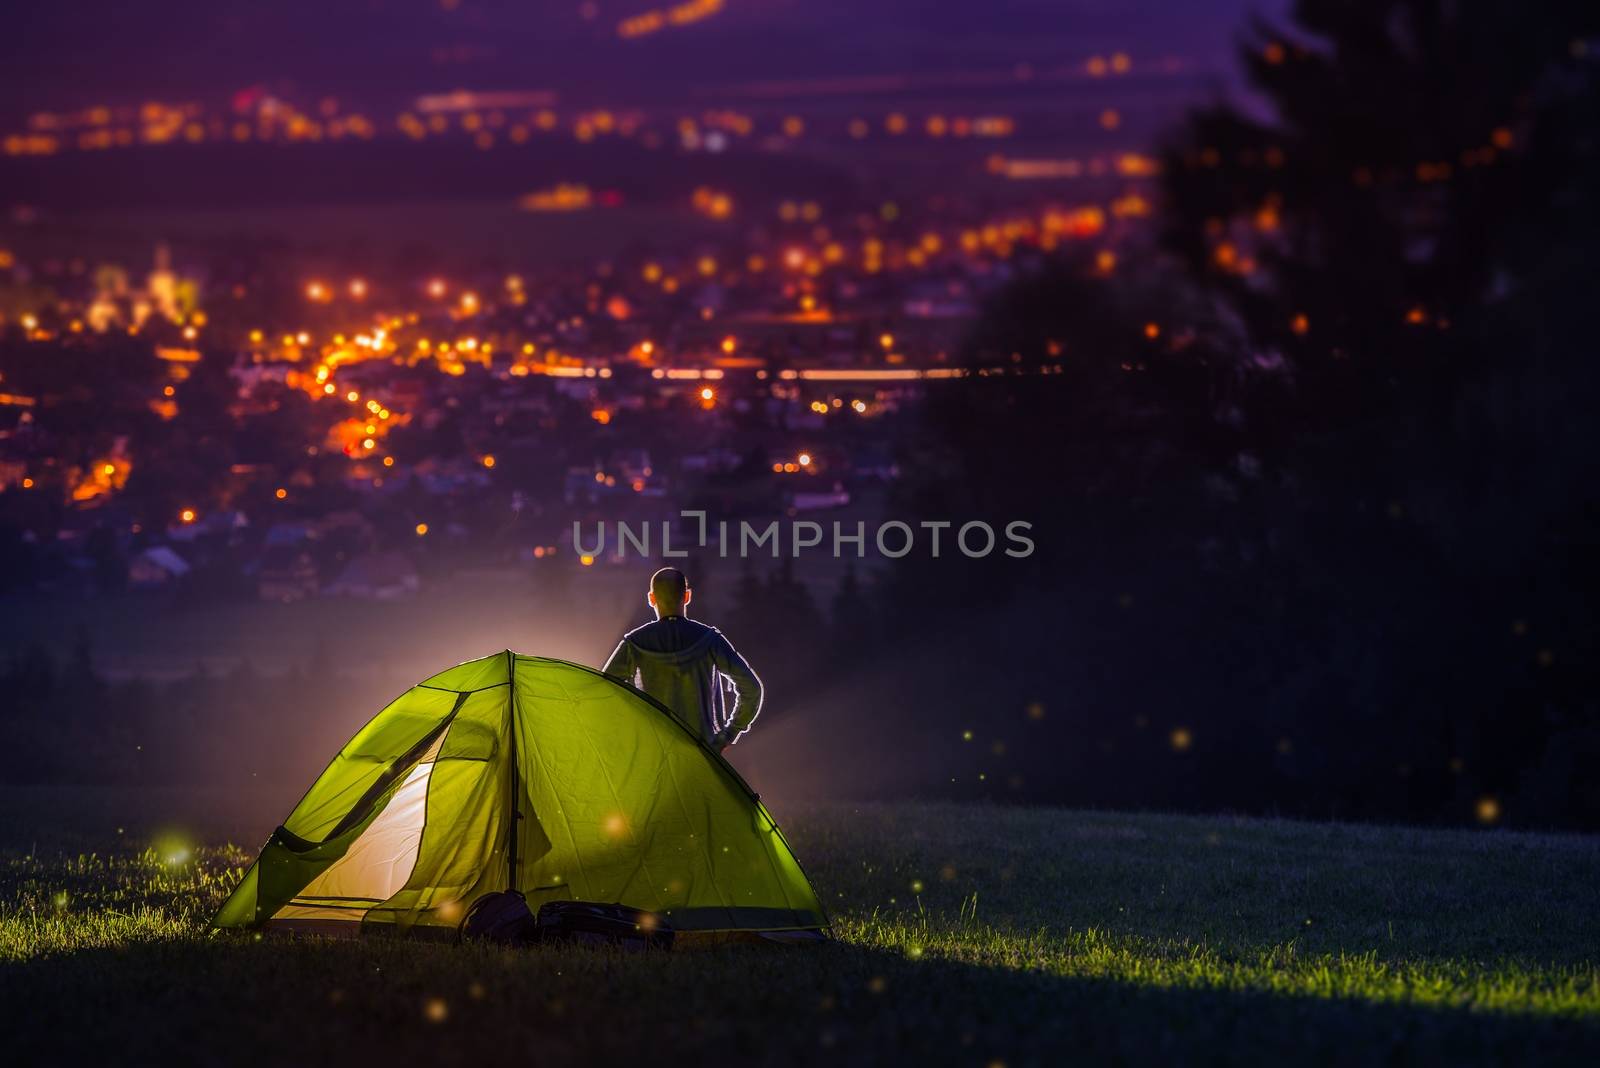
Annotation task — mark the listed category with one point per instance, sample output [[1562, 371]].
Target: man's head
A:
[[669, 592]]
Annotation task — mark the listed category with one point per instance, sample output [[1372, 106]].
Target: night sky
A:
[[110, 52]]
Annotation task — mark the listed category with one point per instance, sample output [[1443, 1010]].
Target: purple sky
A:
[[111, 51]]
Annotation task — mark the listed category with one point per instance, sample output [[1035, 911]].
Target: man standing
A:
[[688, 666]]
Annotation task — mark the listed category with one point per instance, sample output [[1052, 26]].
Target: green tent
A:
[[615, 800]]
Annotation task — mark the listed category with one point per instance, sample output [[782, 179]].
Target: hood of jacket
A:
[[673, 640]]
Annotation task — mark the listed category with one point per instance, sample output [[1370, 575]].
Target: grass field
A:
[[965, 935]]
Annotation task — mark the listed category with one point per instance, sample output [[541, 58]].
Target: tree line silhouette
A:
[[1313, 476]]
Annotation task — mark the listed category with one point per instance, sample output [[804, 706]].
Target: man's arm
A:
[[746, 688], [621, 665]]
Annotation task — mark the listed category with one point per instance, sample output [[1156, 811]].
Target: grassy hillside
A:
[[966, 935]]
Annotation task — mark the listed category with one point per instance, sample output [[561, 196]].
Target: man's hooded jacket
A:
[[689, 667]]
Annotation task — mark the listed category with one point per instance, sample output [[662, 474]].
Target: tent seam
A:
[[446, 689], [544, 769]]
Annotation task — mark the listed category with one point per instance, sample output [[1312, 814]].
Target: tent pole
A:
[[511, 685]]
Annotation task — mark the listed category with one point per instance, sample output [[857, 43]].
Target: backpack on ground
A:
[[597, 923], [502, 916]]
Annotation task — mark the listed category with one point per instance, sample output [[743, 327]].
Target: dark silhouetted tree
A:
[[853, 626]]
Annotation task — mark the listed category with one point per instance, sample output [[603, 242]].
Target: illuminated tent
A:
[[615, 801]]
